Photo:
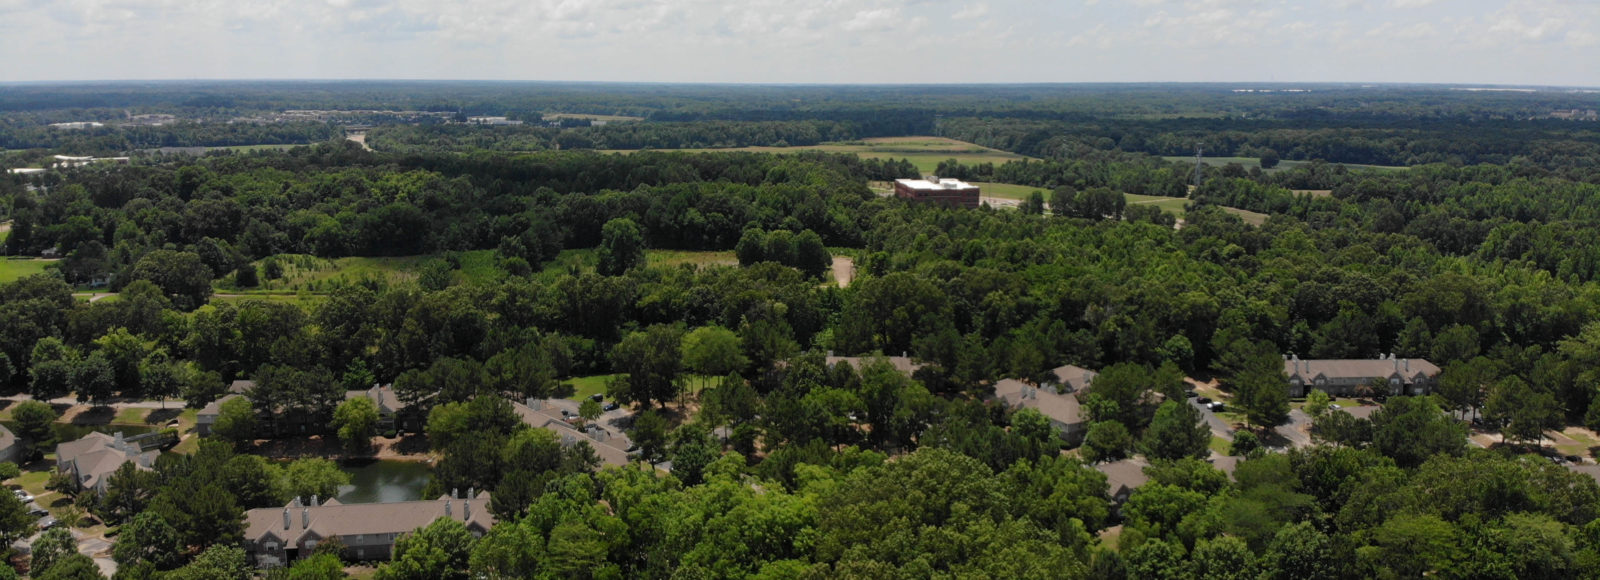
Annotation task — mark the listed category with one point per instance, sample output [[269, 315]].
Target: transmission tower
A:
[[1199, 155]]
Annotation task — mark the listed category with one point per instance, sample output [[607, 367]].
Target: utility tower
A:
[[1199, 155]]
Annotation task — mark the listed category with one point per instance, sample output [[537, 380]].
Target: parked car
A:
[[1333, 406], [1575, 459], [610, 407], [1218, 406], [36, 511], [566, 413], [597, 397], [24, 496], [48, 522], [1203, 400]]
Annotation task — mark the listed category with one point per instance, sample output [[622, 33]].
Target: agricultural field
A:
[[12, 269], [1173, 205], [923, 152]]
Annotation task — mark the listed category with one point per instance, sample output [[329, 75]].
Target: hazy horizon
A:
[[1550, 43]]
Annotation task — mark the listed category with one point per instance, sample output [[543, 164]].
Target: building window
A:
[[272, 546]]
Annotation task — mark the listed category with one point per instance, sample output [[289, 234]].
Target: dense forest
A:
[[536, 268]]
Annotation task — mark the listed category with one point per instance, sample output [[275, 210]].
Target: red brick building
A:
[[951, 192]]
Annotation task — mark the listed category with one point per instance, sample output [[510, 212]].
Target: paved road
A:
[[1298, 430], [1219, 427], [117, 404]]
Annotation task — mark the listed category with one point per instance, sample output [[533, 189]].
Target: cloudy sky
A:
[[1552, 42]]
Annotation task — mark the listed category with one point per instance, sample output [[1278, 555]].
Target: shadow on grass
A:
[[162, 416], [95, 416]]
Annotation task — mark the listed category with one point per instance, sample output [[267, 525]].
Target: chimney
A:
[[285, 518], [295, 502], [1407, 363], [471, 492], [455, 493], [466, 510], [447, 508], [313, 500], [305, 517]]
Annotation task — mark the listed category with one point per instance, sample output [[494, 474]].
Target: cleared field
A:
[[923, 152], [583, 260], [238, 148], [583, 387], [302, 273], [1284, 165], [1249, 217], [606, 118], [1173, 205], [12, 270], [1008, 191]]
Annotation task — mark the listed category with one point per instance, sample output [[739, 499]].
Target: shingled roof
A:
[[1334, 369], [295, 522]]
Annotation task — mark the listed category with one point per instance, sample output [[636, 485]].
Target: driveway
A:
[[1219, 427], [95, 547], [1297, 431]]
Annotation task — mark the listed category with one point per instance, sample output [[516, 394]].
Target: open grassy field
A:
[[923, 152], [1284, 165], [1249, 217], [11, 270], [1172, 205], [586, 386], [302, 273], [606, 118], [1008, 191], [583, 260]]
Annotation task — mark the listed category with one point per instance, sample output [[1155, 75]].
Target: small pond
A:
[[384, 481]]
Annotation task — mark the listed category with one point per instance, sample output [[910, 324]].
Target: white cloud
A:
[[971, 11]]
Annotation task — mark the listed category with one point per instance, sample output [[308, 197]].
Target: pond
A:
[[384, 481]]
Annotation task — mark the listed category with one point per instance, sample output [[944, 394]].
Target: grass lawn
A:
[[1249, 217], [1009, 191], [1220, 445], [303, 273], [923, 152], [33, 481], [12, 270], [131, 416], [586, 386], [1172, 205]]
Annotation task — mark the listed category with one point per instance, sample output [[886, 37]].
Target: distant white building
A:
[[492, 121], [77, 125]]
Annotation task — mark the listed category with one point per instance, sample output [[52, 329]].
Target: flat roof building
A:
[[951, 192]]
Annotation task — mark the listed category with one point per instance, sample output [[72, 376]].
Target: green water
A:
[[383, 481]]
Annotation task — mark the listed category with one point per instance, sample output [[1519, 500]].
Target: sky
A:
[[1496, 42]]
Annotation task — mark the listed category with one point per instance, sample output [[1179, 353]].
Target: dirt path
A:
[[360, 138], [844, 270]]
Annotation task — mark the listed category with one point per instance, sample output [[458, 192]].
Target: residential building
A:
[[1071, 379], [951, 192], [611, 445], [1063, 410], [279, 536], [9, 447], [392, 412], [1122, 477], [92, 459], [1342, 377], [207, 418], [493, 121]]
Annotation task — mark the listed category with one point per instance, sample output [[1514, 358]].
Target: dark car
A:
[[1203, 400], [1218, 406], [1190, 394], [597, 397], [48, 522], [610, 407], [36, 511], [566, 413]]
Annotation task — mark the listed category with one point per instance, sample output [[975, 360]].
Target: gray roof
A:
[[1122, 477], [98, 455], [610, 445], [381, 395], [214, 408], [335, 519]]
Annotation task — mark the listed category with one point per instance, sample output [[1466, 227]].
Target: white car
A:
[[1333, 406], [24, 496]]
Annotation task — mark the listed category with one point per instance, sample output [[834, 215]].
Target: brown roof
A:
[[1124, 476], [98, 455], [900, 363], [382, 396], [335, 519], [1018, 395], [241, 387], [1408, 369], [214, 408], [1076, 378], [611, 446]]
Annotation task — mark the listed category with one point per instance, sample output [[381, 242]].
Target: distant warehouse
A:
[[951, 192]]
